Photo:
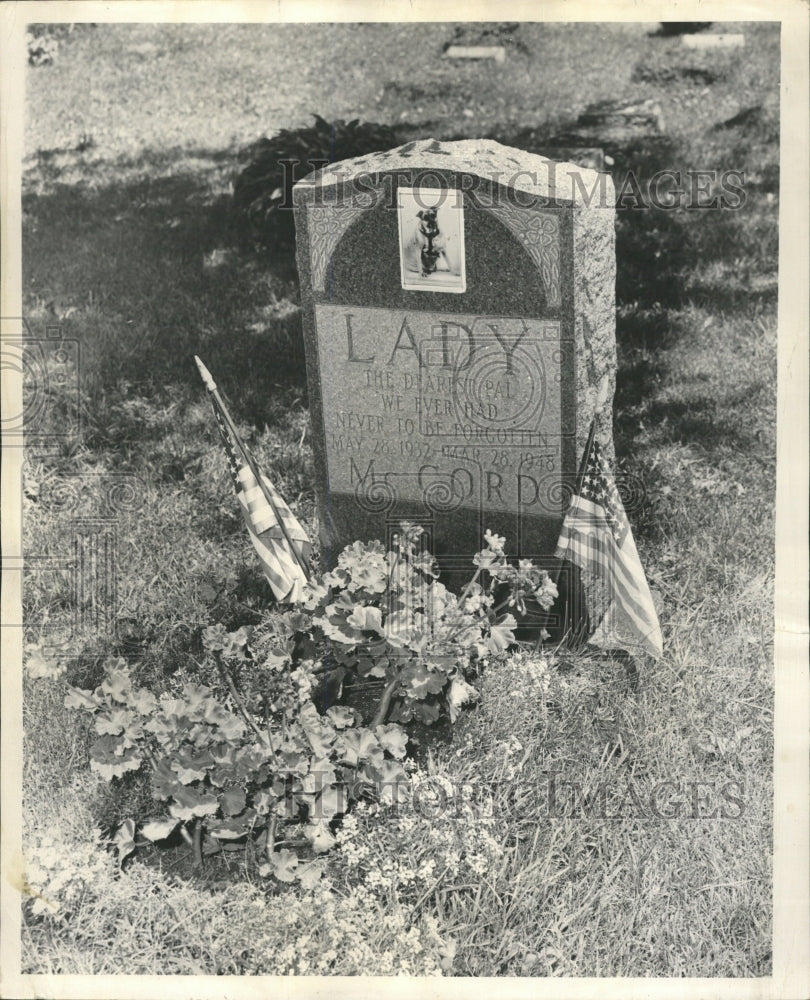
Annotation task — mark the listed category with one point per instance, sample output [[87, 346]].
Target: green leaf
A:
[[142, 701], [165, 782], [38, 664], [297, 621], [78, 698], [371, 666], [117, 682], [124, 839], [367, 619], [198, 700], [341, 716], [425, 711], [236, 644], [321, 774], [223, 755], [324, 770], [320, 836], [283, 865], [402, 711], [165, 729], [295, 741], [393, 739], [296, 762], [111, 759], [210, 846], [420, 681], [393, 783], [251, 764], [214, 637], [191, 802], [159, 829], [310, 875], [118, 769], [172, 708], [263, 802], [336, 627], [232, 828], [232, 801], [501, 636], [361, 744], [276, 659], [330, 803], [320, 737], [113, 722], [460, 693], [230, 726], [191, 767]]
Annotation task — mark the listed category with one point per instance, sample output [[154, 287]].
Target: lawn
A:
[[131, 256]]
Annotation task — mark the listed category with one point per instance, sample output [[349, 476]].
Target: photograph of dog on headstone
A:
[[395, 580], [431, 233]]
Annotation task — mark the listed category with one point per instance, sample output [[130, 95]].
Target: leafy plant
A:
[[386, 615], [249, 760], [263, 189], [227, 775]]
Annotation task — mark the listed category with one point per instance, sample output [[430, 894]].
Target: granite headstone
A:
[[459, 323]]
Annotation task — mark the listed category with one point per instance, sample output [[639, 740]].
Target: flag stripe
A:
[[608, 636], [294, 529], [588, 548], [262, 513], [282, 565], [596, 536], [587, 552], [645, 628]]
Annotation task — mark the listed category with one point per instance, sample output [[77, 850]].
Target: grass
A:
[[129, 248]]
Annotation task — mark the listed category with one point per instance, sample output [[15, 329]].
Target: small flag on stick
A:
[[596, 537], [281, 543]]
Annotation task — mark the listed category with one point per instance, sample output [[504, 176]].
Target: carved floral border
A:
[[539, 233], [327, 223]]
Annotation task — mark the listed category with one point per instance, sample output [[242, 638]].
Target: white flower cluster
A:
[[43, 662], [303, 680], [326, 932], [439, 835], [58, 873], [530, 675]]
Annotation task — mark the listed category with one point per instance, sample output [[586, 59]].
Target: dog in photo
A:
[[429, 250]]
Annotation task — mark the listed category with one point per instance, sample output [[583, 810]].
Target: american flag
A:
[[596, 537], [280, 542]]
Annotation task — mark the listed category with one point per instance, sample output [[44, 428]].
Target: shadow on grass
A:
[[146, 271], [144, 260]]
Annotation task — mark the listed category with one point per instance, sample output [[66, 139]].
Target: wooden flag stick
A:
[[217, 400]]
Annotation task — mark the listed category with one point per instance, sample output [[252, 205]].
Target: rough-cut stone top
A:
[[485, 158]]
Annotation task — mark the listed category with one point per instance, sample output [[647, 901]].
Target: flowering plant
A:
[[249, 757], [230, 772], [386, 615]]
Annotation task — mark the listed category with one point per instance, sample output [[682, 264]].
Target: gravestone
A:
[[496, 52], [713, 41], [459, 323]]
